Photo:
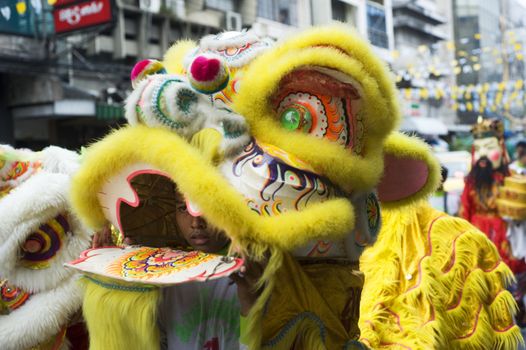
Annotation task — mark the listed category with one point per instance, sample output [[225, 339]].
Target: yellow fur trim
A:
[[174, 57], [205, 186], [119, 319], [434, 281], [339, 49], [403, 146]]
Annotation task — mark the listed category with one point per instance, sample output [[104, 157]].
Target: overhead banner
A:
[[69, 17]]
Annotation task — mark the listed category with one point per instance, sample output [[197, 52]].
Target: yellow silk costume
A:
[[435, 281]]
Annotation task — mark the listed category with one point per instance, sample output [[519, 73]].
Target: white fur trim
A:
[[225, 40], [217, 42], [229, 145], [41, 317], [59, 160], [131, 102], [38, 200]]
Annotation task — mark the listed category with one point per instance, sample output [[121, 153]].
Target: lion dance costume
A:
[[40, 300], [290, 149]]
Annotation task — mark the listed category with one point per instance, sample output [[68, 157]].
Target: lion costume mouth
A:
[[140, 202]]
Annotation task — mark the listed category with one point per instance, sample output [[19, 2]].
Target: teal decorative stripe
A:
[[290, 324], [355, 344], [156, 99], [232, 130], [120, 287]]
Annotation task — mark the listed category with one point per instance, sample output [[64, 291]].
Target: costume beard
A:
[[482, 174]]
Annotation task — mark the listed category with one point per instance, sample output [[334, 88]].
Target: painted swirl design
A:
[[11, 297], [43, 244], [278, 181]]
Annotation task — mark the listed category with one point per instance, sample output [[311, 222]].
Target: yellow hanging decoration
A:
[[498, 98], [21, 7]]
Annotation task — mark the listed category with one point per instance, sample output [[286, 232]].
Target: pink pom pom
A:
[[145, 68], [208, 73], [205, 69]]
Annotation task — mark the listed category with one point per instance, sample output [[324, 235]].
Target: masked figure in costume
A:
[[40, 300], [479, 199], [289, 148]]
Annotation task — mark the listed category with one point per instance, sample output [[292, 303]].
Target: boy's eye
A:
[[181, 208]]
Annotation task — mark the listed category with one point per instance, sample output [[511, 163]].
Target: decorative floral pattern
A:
[[152, 262]]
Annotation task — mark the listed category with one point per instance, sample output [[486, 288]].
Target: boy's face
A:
[[196, 231]]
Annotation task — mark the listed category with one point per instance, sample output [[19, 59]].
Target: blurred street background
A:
[[64, 64]]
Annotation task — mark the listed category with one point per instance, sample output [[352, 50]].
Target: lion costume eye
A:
[[42, 245], [296, 117]]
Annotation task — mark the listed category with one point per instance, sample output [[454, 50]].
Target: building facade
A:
[[67, 88], [422, 29], [490, 55]]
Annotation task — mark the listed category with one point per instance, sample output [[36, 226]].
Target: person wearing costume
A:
[[40, 300], [479, 198], [290, 149], [200, 315]]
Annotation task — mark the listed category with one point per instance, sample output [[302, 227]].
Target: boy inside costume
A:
[[290, 148]]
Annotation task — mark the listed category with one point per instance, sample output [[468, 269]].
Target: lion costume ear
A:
[[411, 172]]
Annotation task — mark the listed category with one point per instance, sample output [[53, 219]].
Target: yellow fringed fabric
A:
[[208, 142], [435, 282], [120, 317], [307, 306]]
